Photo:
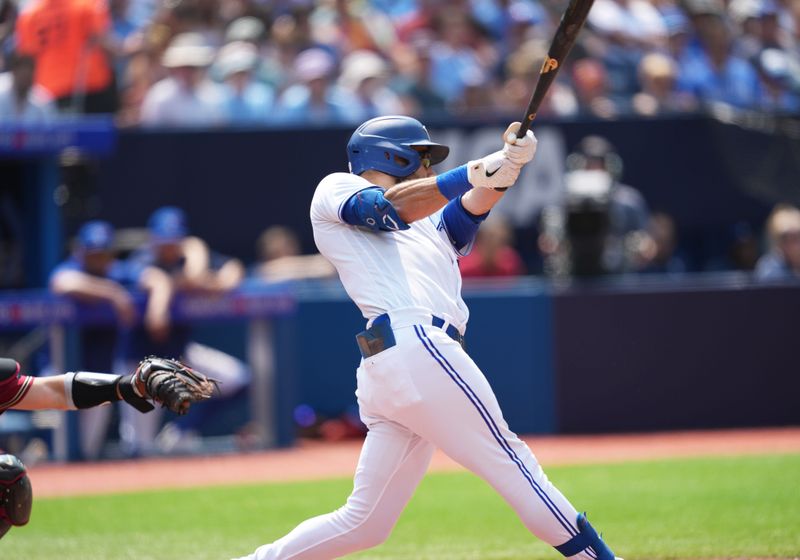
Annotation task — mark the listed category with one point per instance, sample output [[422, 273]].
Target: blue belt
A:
[[451, 330], [379, 336]]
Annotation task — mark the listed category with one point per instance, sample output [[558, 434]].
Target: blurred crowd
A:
[[284, 62]]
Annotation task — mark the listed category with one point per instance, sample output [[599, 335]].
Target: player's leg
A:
[[232, 373], [93, 425], [459, 413], [183, 433], [393, 461]]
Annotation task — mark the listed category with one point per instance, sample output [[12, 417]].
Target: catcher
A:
[[156, 380]]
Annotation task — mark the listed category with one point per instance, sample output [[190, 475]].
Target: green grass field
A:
[[700, 508]]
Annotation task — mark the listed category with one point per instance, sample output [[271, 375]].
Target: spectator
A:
[[413, 78], [510, 23], [782, 262], [186, 97], [71, 62], [602, 226], [363, 77], [741, 250], [521, 71], [20, 98], [454, 59], [478, 97], [314, 98], [678, 30], [781, 91], [8, 20], [269, 68], [747, 16], [711, 71], [245, 101], [659, 95], [92, 276], [125, 39], [629, 28], [590, 79], [344, 27], [279, 258], [171, 264], [661, 257], [772, 35], [493, 254]]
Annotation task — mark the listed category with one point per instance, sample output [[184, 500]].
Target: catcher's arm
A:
[[164, 381], [68, 391]]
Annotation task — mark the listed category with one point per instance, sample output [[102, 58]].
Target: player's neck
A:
[[379, 178]]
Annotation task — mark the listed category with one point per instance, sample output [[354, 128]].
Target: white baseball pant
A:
[[426, 392]]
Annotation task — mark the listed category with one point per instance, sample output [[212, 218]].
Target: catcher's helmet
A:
[[16, 496], [375, 144]]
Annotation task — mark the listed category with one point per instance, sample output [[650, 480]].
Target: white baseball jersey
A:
[[411, 270]]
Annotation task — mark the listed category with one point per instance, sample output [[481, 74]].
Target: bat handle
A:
[[523, 130], [526, 124]]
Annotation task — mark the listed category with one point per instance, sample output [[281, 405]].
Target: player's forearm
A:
[[78, 390], [159, 291], [480, 201], [45, 393], [416, 199], [196, 255], [230, 275], [84, 286]]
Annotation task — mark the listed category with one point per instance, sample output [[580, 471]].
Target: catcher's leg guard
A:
[[587, 537], [16, 497]]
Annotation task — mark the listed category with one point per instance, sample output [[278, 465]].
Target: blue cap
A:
[[96, 235], [168, 223]]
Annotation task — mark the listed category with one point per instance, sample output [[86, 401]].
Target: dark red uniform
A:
[[13, 389]]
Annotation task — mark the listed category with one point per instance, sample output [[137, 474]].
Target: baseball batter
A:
[[395, 231]]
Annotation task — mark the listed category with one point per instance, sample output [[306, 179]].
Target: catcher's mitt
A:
[[173, 384]]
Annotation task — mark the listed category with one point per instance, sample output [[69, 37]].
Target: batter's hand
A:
[[518, 151], [494, 171]]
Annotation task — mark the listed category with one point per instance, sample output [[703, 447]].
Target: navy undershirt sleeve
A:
[[461, 225]]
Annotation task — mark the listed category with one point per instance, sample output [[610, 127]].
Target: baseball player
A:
[[174, 261], [164, 381], [92, 275], [395, 231]]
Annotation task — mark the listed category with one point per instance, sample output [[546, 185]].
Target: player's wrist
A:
[[454, 183]]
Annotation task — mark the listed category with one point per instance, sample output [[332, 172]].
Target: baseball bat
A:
[[566, 34], [571, 22]]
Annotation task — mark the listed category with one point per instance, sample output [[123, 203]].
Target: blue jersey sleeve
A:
[[460, 225]]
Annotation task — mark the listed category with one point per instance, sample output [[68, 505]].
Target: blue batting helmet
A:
[[375, 144]]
